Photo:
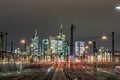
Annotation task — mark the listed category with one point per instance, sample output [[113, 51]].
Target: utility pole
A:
[[25, 46], [71, 39], [6, 42], [94, 48], [20, 65], [113, 52], [1, 41], [95, 55], [12, 56]]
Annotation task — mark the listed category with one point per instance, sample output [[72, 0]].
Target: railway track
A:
[[38, 75]]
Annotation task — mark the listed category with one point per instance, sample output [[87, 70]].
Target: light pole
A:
[[90, 43], [85, 52], [31, 49], [24, 42], [20, 67], [113, 51], [12, 55], [117, 7], [104, 38], [6, 42]]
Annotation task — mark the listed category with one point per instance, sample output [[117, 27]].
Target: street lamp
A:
[[58, 36], [86, 47], [85, 52], [24, 42], [31, 49], [31, 45], [63, 35], [90, 43], [104, 37], [117, 7], [20, 65]]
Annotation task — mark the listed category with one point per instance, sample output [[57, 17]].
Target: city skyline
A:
[[91, 18], [60, 39]]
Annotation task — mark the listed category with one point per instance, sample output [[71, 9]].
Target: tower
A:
[[61, 36], [35, 43]]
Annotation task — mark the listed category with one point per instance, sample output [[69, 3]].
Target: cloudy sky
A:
[[20, 18]]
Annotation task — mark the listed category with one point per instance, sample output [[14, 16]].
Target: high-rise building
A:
[[79, 48], [45, 46], [35, 44], [53, 47], [58, 44]]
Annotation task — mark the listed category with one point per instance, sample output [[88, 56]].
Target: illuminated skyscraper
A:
[[58, 43], [55, 47], [79, 48], [35, 44]]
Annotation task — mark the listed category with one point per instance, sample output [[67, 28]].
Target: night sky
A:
[[20, 18]]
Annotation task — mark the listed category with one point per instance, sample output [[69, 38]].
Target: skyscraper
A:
[[35, 43]]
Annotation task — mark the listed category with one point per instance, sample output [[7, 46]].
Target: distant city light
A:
[[89, 42], [23, 41], [71, 57], [86, 47], [118, 7], [49, 69], [104, 37], [31, 45]]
